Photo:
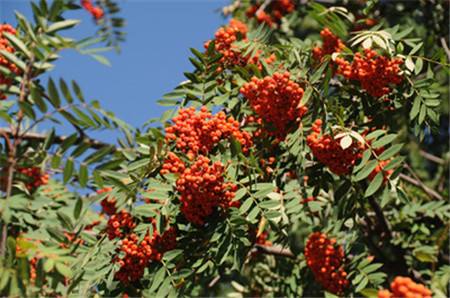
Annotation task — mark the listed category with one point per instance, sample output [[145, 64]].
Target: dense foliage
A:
[[305, 155]]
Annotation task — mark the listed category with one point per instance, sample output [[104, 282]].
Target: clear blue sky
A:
[[153, 58]]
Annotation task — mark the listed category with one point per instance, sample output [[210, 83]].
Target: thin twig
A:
[[431, 157], [16, 139], [428, 190], [445, 46], [262, 7], [276, 250], [214, 281], [432, 193]]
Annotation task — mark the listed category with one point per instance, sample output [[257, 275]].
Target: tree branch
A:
[[95, 144], [276, 250], [432, 157], [380, 217], [417, 182]]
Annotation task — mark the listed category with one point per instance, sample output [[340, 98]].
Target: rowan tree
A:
[[305, 155]]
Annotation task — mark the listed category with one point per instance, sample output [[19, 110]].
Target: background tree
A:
[[306, 155]]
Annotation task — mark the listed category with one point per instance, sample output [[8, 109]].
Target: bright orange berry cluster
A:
[[224, 43], [374, 72], [136, 255], [328, 150], [35, 177], [224, 40], [96, 12], [405, 287], [108, 204], [202, 190], [277, 10], [331, 44], [120, 224], [325, 259], [172, 164], [6, 46], [198, 132], [139, 254], [276, 99]]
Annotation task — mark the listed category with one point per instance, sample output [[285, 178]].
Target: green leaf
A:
[[83, 175], [362, 284], [316, 76], [53, 93], [422, 114], [371, 268], [158, 279], [63, 270], [306, 95], [13, 59], [384, 141], [394, 163], [65, 90], [415, 108], [66, 24], [415, 49], [419, 66], [172, 254], [390, 152], [365, 158], [370, 293], [374, 185], [366, 170], [78, 208], [102, 59], [18, 44], [68, 170], [246, 205], [375, 134], [76, 88]]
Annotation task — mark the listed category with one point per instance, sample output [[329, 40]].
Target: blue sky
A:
[[153, 58]]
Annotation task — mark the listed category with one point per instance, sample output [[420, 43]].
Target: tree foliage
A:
[[305, 155]]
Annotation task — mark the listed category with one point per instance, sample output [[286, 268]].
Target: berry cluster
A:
[[96, 12], [108, 204], [374, 72], [224, 41], [134, 255], [33, 270], [261, 239], [276, 99], [278, 9], [198, 132], [139, 254], [405, 287], [328, 150], [202, 190], [172, 164], [325, 259], [120, 224], [331, 44], [6, 46], [35, 177]]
